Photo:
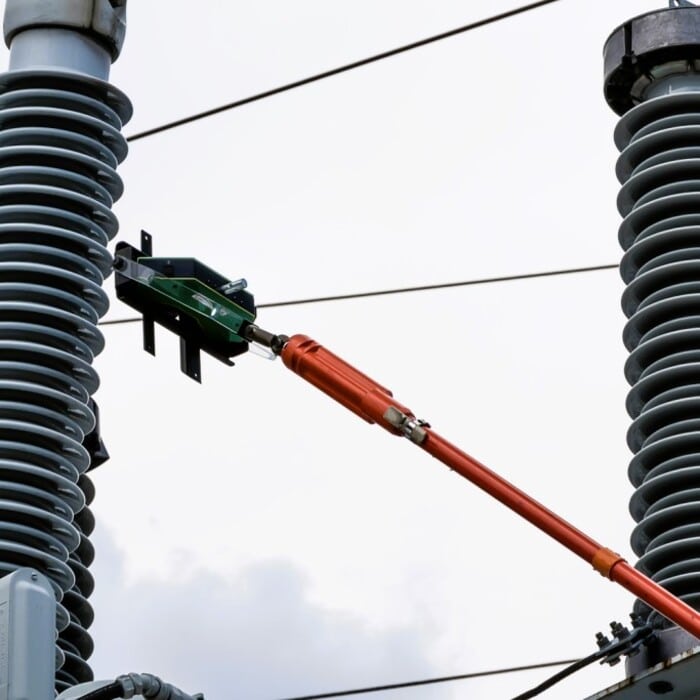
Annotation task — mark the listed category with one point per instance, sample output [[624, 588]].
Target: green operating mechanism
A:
[[208, 311]]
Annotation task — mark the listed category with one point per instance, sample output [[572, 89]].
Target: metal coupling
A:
[[102, 20], [409, 426], [275, 342], [149, 686]]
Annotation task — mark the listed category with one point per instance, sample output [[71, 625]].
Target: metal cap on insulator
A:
[[649, 49], [83, 36], [103, 20]]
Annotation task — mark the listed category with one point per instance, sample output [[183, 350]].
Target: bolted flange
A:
[[647, 49], [104, 21]]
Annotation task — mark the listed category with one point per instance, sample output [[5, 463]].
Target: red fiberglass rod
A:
[[375, 404]]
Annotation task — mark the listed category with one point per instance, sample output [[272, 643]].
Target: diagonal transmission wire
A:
[[431, 681], [408, 290], [337, 71], [608, 652]]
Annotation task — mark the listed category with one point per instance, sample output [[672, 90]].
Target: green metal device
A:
[[208, 311]]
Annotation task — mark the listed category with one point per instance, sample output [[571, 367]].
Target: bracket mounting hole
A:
[[661, 687]]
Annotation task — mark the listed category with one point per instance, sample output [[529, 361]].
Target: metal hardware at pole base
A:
[[665, 645], [676, 677]]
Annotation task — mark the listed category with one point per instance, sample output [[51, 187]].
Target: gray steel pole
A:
[[60, 143], [652, 80]]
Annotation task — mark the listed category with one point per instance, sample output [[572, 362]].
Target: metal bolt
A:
[[619, 630], [602, 640], [637, 620]]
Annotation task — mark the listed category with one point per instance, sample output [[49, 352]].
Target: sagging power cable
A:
[[560, 676], [624, 643], [337, 71], [431, 681], [609, 652]]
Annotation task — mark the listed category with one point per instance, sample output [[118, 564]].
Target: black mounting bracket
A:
[[186, 325]]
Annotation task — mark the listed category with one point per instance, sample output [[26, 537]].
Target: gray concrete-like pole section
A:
[[60, 144]]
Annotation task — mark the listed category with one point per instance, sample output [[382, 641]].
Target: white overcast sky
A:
[[257, 541]]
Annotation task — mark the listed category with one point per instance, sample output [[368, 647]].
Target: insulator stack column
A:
[[660, 200], [653, 81], [60, 144]]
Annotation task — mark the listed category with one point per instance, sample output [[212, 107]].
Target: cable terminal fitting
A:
[[152, 687], [264, 339], [409, 426]]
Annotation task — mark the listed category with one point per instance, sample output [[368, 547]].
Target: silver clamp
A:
[[409, 426], [102, 20]]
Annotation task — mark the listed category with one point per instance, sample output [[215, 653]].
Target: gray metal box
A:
[[27, 637]]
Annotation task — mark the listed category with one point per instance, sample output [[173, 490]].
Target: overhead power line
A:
[[337, 71], [608, 652], [432, 681], [408, 290], [560, 676], [432, 287]]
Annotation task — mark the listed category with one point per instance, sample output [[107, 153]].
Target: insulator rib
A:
[[659, 168]]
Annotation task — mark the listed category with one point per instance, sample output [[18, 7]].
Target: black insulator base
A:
[[648, 48]]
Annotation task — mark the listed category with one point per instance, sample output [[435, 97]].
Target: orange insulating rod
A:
[[375, 404]]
